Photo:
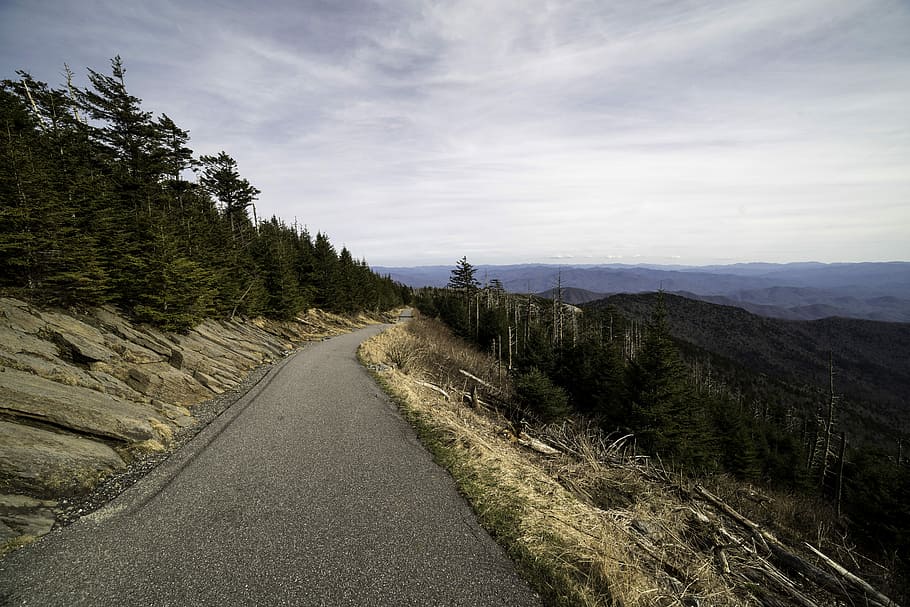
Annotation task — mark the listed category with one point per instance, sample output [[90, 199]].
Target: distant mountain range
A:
[[795, 291]]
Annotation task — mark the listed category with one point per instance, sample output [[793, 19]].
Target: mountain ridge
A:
[[869, 356], [800, 291]]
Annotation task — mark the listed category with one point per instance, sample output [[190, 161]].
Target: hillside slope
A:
[[590, 520], [871, 359]]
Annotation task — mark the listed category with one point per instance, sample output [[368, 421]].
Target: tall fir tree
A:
[[95, 206], [222, 180], [463, 276], [666, 414], [44, 250]]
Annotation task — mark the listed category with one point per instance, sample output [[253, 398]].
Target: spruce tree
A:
[[274, 250], [462, 277], [222, 180], [668, 418], [325, 271], [45, 253]]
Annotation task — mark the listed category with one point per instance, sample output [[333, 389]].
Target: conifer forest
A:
[[695, 413], [105, 202]]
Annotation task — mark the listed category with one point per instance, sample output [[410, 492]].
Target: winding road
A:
[[309, 490]]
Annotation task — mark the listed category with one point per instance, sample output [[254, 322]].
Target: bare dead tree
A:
[[829, 420]]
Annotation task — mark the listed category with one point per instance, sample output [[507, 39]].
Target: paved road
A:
[[311, 490]]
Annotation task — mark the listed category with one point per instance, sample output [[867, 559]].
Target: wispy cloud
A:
[[418, 131]]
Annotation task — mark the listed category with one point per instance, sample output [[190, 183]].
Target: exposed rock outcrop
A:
[[81, 395]]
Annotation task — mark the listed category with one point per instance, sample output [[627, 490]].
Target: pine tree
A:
[[305, 268], [175, 292], [126, 134], [94, 207]]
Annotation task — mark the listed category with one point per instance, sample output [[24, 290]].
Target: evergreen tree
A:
[[126, 134], [537, 392], [125, 150], [274, 251], [669, 420], [305, 269], [176, 156], [462, 277], [222, 180], [345, 285], [593, 374], [735, 441], [44, 252], [325, 272], [98, 209], [176, 293]]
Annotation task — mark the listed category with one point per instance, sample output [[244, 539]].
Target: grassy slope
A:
[[591, 525]]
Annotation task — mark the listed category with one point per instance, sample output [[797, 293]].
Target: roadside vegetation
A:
[[589, 517], [103, 202]]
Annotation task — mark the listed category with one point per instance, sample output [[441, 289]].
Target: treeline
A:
[[628, 376], [632, 377], [99, 205]]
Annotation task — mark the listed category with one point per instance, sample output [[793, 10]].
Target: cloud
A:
[[515, 131]]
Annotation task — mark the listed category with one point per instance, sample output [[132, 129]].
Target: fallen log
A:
[[432, 387], [478, 380], [761, 590], [791, 561], [532, 443], [857, 582], [785, 583]]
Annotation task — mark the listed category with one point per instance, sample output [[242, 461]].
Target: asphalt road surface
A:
[[310, 490]]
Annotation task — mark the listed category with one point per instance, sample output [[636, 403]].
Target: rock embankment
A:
[[82, 395]]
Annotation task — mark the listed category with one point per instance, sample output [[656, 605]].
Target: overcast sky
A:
[[587, 131]]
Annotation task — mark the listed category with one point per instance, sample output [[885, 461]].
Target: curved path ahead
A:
[[310, 490]]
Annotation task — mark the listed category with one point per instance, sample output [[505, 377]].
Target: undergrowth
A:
[[587, 520], [553, 515]]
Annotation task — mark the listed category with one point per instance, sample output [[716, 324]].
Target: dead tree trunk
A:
[[829, 422], [840, 471]]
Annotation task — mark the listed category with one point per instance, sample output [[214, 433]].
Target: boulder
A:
[[53, 369], [164, 382], [176, 359], [147, 339], [139, 381], [81, 350], [209, 382]]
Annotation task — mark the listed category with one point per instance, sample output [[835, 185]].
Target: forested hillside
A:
[[712, 389], [869, 359], [102, 201]]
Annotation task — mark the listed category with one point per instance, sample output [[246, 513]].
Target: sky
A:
[[560, 131]]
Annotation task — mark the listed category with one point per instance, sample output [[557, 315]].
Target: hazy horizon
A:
[[700, 133], [668, 264]]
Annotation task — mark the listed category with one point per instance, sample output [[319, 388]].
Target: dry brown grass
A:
[[587, 527]]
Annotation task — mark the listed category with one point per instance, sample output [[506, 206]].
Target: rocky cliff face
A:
[[82, 395]]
